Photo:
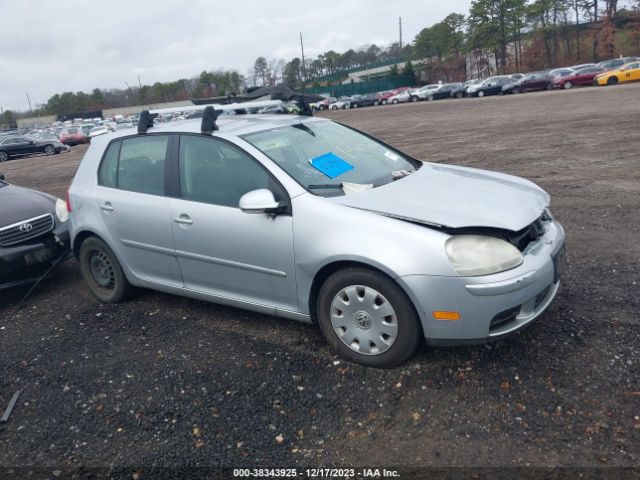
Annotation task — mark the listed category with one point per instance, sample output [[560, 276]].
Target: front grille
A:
[[26, 230], [530, 233], [503, 318]]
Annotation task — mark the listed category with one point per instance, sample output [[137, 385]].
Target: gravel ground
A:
[[169, 382]]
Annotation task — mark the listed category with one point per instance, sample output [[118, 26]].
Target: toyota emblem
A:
[[26, 227]]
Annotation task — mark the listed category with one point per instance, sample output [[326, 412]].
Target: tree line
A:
[[496, 36]]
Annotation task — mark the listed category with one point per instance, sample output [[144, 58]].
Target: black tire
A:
[[409, 335], [550, 86], [355, 105], [612, 81], [395, 101], [376, 103], [110, 287], [414, 98], [567, 85], [49, 149], [430, 98], [481, 93], [384, 102], [459, 95], [4, 156]]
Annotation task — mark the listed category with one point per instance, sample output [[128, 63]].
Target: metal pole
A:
[[139, 82], [28, 100], [304, 72], [400, 28]]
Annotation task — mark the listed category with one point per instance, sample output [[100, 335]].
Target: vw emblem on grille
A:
[[26, 227], [362, 320]]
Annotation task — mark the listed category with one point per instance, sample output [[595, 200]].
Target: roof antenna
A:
[[146, 121], [209, 118]]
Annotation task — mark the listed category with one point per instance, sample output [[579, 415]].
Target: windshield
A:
[[321, 156]]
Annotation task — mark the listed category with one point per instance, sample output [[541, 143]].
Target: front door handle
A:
[[107, 207], [183, 219]]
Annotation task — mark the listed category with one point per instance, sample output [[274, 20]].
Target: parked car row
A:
[[609, 72]]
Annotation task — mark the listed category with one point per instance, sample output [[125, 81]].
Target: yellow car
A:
[[629, 72]]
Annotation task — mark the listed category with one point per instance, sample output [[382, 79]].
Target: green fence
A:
[[360, 88]]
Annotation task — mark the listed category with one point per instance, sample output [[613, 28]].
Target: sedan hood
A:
[[20, 204], [455, 197]]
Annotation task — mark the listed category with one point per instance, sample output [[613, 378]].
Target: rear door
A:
[[133, 179], [222, 250]]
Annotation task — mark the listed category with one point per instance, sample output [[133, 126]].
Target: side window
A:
[[214, 172], [141, 164], [108, 172]]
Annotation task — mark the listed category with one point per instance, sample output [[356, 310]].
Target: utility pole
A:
[[139, 82], [400, 28], [304, 71], [29, 101]]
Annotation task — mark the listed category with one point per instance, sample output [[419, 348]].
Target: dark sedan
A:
[[448, 90], [34, 233], [531, 83], [491, 86], [20, 146], [364, 100]]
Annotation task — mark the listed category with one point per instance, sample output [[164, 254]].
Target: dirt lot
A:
[[166, 381]]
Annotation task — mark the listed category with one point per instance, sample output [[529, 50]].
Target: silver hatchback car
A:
[[308, 219]]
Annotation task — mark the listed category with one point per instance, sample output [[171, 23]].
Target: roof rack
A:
[[217, 106]]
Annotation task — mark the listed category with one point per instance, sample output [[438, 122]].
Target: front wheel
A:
[[102, 272], [550, 86], [49, 149], [612, 81], [4, 156], [367, 318], [394, 101], [481, 94], [567, 85], [459, 95], [355, 105], [384, 102], [414, 99], [376, 103]]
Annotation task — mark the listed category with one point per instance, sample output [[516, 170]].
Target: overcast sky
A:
[[51, 47]]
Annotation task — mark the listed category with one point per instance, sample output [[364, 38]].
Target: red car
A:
[[584, 76], [383, 97], [73, 136]]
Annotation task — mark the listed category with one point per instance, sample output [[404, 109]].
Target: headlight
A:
[[473, 255], [61, 210]]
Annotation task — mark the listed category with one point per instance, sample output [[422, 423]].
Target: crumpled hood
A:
[[455, 197], [18, 204]]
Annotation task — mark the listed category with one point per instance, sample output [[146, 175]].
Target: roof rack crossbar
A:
[[218, 107]]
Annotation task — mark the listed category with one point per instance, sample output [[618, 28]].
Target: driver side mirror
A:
[[260, 201]]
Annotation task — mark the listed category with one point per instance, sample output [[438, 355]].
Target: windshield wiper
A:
[[325, 186]]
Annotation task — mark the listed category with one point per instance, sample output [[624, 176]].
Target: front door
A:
[[220, 249]]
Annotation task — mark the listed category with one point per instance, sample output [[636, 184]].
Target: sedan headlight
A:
[[473, 255], [61, 210]]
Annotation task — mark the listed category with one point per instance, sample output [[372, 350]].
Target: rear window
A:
[[135, 164]]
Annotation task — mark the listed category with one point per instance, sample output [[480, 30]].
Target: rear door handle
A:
[[183, 219], [107, 207]]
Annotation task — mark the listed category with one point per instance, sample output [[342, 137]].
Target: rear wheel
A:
[[459, 95], [384, 102], [367, 318], [355, 105], [612, 81], [4, 156], [376, 103], [549, 86], [49, 149], [430, 98], [481, 93], [102, 272], [414, 99], [394, 101]]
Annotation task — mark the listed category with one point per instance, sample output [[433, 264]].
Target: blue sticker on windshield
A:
[[331, 165]]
